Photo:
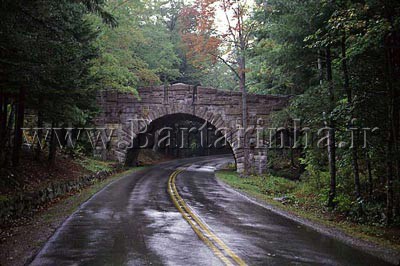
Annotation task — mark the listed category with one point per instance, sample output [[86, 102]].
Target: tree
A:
[[238, 39], [199, 38], [47, 50], [231, 47], [334, 57], [138, 52]]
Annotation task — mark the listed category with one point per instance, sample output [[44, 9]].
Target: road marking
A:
[[220, 249]]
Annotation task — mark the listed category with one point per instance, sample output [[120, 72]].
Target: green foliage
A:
[[290, 57], [64, 52], [219, 76], [48, 49], [113, 75], [95, 165], [269, 185], [138, 52]]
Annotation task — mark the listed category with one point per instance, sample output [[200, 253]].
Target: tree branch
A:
[[228, 65]]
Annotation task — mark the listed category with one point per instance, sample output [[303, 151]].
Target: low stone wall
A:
[[26, 204]]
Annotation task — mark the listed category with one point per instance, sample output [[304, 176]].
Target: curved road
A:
[[133, 221]]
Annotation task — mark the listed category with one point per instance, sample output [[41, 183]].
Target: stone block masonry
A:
[[221, 108]]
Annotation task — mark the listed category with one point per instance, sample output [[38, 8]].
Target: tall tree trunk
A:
[[40, 125], [332, 138], [354, 152], [345, 69], [392, 149], [19, 124], [10, 124], [242, 84], [369, 171], [291, 150], [396, 128], [2, 116], [320, 69], [356, 173], [3, 124], [53, 145], [332, 165], [389, 183]]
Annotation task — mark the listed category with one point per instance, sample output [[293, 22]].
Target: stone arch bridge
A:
[[222, 109]]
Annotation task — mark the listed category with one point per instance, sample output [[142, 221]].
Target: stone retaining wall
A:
[[26, 204]]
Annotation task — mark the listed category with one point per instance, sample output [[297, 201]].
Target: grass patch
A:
[[268, 186], [299, 199], [95, 166]]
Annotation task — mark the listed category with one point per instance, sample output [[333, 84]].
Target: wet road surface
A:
[[134, 222]]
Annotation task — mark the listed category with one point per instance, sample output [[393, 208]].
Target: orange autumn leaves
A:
[[198, 33]]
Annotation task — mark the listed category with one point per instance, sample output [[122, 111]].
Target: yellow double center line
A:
[[220, 249]]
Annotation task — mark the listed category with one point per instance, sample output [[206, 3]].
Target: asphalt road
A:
[[133, 221]]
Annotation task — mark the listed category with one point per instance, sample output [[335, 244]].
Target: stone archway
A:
[[179, 131], [221, 108]]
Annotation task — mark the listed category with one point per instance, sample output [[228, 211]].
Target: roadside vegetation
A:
[[94, 165], [337, 61], [307, 199], [34, 175]]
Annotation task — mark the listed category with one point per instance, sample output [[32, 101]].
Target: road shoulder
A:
[[26, 239], [384, 252]]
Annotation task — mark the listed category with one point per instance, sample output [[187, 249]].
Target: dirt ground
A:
[[33, 174]]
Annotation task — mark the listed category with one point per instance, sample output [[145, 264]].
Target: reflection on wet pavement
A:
[[133, 222]]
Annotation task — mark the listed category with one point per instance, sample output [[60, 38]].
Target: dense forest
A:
[[338, 60]]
